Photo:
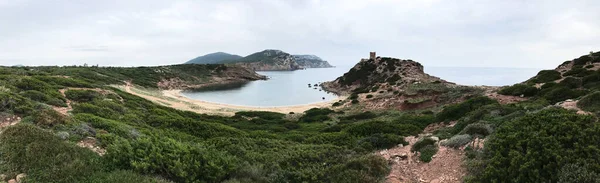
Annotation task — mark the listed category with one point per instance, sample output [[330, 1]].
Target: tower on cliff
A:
[[372, 55]]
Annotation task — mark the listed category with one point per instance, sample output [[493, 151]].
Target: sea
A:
[[289, 88]]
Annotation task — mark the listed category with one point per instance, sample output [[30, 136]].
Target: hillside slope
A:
[[213, 58]]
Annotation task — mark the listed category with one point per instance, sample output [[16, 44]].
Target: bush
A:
[[48, 117], [545, 76], [354, 101], [541, 143], [427, 153], [369, 96], [578, 173], [374, 127], [367, 168], [155, 156], [360, 116], [82, 95], [578, 72], [335, 138], [456, 111], [44, 157], [562, 93], [260, 114], [381, 141], [316, 115], [518, 90], [336, 104], [457, 141], [590, 102], [422, 143], [571, 82], [477, 129]]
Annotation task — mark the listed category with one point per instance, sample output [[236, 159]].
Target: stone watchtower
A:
[[372, 55]]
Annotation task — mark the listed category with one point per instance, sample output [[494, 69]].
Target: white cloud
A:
[[435, 32]]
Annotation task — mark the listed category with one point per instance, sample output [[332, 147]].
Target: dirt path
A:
[[174, 99], [446, 165]]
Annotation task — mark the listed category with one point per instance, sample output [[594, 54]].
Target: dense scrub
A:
[[542, 143], [145, 140]]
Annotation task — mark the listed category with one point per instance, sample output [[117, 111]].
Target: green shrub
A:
[[316, 115], [374, 127], [590, 102], [578, 173], [336, 104], [260, 114], [518, 90], [456, 111], [541, 143], [589, 66], [578, 72], [562, 93], [157, 156], [381, 141], [477, 129], [82, 95], [571, 82], [360, 116], [427, 153], [48, 117], [336, 138], [368, 168], [354, 101], [457, 141], [369, 96], [44, 157], [545, 76], [122, 176], [421, 143], [420, 121]]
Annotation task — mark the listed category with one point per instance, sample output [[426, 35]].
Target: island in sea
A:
[[267, 60]]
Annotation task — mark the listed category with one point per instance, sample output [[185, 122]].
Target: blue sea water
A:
[[287, 88]]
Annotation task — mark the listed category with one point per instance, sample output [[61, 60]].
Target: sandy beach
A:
[[174, 99]]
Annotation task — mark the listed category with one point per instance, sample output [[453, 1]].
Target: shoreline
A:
[[174, 99]]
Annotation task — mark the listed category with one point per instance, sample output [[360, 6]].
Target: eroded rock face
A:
[[269, 60], [311, 61], [372, 72]]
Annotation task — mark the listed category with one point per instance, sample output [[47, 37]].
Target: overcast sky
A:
[[477, 33]]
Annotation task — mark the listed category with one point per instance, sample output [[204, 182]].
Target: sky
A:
[[456, 33]]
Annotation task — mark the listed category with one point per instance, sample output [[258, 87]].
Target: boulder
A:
[[12, 181], [437, 139], [21, 177]]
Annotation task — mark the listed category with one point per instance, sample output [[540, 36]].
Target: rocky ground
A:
[[446, 165]]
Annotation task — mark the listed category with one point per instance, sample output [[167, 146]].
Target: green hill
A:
[[214, 58], [264, 60]]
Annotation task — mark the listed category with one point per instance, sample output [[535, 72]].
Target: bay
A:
[[288, 88]]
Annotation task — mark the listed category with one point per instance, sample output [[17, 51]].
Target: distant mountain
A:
[[311, 61], [267, 60], [214, 58]]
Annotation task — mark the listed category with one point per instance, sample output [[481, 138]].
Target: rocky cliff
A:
[[311, 61], [268, 60], [370, 73], [383, 83]]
